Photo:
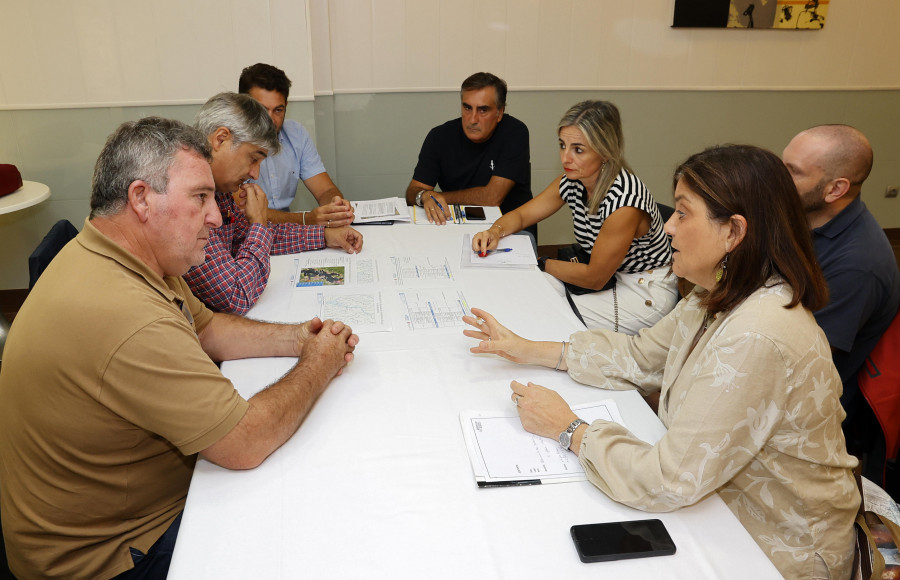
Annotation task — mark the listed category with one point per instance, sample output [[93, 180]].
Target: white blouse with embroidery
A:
[[753, 413]]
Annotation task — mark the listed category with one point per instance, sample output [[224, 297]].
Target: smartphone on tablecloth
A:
[[474, 213], [622, 540]]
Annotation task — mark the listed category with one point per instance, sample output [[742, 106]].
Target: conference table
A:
[[377, 482]]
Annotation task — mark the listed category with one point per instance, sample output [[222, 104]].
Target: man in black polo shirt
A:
[[482, 158], [829, 164]]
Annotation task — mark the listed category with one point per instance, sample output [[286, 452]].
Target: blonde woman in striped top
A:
[[621, 280]]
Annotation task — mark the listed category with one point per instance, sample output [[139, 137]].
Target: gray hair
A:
[[243, 116], [140, 150], [601, 125]]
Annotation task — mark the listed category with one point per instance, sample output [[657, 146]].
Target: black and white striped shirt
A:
[[648, 252]]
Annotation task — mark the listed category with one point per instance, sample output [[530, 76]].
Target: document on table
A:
[[330, 270], [426, 308], [377, 210], [362, 311], [420, 269], [503, 453], [491, 214], [511, 252]]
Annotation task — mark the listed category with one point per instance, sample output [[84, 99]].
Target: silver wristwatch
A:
[[419, 198], [565, 438]]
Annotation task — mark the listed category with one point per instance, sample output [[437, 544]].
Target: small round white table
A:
[[31, 193]]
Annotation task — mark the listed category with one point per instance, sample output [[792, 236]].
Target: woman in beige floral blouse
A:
[[748, 392]]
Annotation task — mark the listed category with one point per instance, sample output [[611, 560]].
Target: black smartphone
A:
[[474, 213], [622, 540]]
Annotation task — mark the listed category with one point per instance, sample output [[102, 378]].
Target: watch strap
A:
[[565, 438], [571, 429]]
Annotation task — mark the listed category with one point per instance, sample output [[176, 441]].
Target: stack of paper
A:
[[380, 210], [512, 252], [503, 453]]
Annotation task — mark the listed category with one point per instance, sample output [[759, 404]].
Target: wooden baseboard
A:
[[550, 250], [11, 301]]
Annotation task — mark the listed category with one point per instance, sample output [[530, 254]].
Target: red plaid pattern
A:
[[237, 258]]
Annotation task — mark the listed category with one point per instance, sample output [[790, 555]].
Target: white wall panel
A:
[[291, 49], [491, 40], [586, 60], [658, 51], [593, 44], [614, 41], [554, 41], [320, 45], [875, 42], [774, 60], [522, 52], [85, 53], [57, 59], [59, 53], [388, 43], [104, 80], [460, 21], [422, 43], [17, 78], [351, 44], [141, 69]]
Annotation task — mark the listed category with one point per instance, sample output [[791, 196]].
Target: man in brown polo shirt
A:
[[109, 390]]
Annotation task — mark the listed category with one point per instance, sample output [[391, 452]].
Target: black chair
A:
[[665, 211], [59, 235]]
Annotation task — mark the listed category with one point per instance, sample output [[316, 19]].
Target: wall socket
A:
[[891, 191]]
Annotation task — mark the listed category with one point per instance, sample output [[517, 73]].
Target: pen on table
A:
[[512, 483], [438, 203], [497, 251]]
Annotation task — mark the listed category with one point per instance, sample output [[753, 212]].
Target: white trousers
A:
[[638, 301]]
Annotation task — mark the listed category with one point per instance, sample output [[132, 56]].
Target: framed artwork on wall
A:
[[786, 14]]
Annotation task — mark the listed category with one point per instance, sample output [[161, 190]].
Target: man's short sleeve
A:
[[309, 159], [161, 380], [428, 169]]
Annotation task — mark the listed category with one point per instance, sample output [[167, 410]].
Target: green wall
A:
[[370, 142]]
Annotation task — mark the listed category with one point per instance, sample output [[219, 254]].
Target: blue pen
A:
[[483, 254], [437, 202]]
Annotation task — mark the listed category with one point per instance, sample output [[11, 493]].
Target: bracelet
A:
[[498, 226], [542, 264], [561, 354], [304, 218]]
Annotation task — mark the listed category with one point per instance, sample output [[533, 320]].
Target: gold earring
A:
[[723, 269]]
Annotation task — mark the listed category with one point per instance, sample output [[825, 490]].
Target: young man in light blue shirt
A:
[[298, 159]]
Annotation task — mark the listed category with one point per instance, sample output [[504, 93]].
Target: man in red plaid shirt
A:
[[236, 269]]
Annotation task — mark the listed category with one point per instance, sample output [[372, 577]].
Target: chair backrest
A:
[[879, 382], [59, 235], [666, 211]]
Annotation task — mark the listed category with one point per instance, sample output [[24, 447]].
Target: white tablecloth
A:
[[377, 482]]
